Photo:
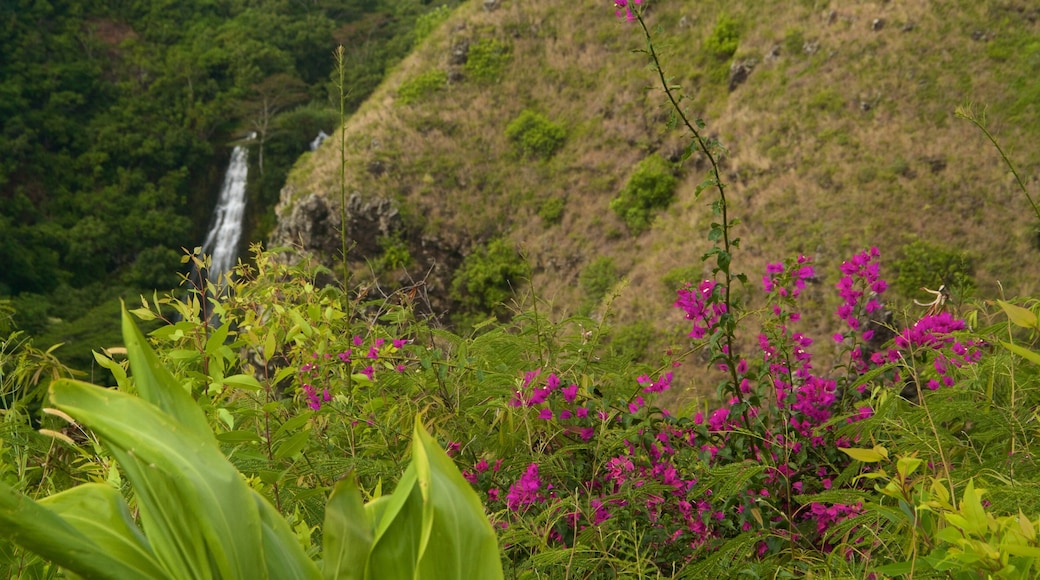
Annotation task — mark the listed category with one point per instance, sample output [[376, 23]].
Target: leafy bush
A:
[[631, 341], [489, 276], [486, 60], [534, 135], [596, 279], [724, 38], [428, 22], [419, 87], [650, 188], [395, 253], [927, 265], [551, 210]]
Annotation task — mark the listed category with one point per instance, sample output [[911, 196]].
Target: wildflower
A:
[[526, 490], [570, 393], [624, 11]]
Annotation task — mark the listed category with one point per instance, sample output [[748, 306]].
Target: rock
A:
[[877, 24], [490, 5], [308, 225], [811, 47], [739, 71], [459, 52]]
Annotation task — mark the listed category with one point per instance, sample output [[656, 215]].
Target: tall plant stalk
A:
[[719, 233]]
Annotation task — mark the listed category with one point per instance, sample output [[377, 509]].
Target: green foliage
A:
[[650, 189], [428, 22], [794, 41], [596, 279], [486, 60], [489, 277], [678, 277], [551, 210], [631, 341], [534, 135], [395, 253], [200, 518], [419, 87], [724, 39], [927, 265]]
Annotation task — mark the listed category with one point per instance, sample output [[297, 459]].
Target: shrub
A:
[[551, 210], [928, 265], [534, 135], [395, 253], [427, 23], [678, 277], [421, 86], [596, 279], [486, 59], [489, 277], [724, 38], [651, 188], [631, 341]]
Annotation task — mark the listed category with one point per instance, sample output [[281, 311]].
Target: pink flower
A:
[[526, 490]]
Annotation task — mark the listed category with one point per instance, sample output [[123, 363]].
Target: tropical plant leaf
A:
[[156, 385], [195, 507], [347, 534], [457, 538], [42, 531]]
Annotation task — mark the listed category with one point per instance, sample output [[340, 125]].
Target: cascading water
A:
[[224, 235]]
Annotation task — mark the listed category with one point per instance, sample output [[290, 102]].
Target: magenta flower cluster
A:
[[624, 9], [792, 435], [701, 305], [378, 353]]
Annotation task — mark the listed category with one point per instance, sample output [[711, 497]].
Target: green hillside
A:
[[842, 136]]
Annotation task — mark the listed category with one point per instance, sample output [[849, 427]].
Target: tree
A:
[[271, 96]]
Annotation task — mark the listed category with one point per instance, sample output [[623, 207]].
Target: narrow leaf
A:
[[865, 455], [1018, 315], [1022, 352]]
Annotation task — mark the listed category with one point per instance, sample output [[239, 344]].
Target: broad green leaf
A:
[[1026, 526], [294, 423], [100, 513], [866, 455], [157, 386], [347, 533], [247, 382], [1021, 550], [217, 338], [195, 508], [457, 538], [397, 521], [1018, 315], [972, 510], [292, 445], [906, 466], [238, 437], [45, 533]]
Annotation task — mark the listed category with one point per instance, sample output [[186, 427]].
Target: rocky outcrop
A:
[[310, 223]]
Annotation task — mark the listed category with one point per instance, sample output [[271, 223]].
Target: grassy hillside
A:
[[842, 136]]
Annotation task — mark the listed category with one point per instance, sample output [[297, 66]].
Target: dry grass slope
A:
[[842, 136]]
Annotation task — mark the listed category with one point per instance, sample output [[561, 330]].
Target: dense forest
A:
[[117, 119]]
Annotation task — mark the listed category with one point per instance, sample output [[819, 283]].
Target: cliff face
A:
[[838, 124]]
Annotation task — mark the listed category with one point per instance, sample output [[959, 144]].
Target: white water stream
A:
[[226, 232]]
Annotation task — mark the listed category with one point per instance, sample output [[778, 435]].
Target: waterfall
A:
[[224, 235]]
